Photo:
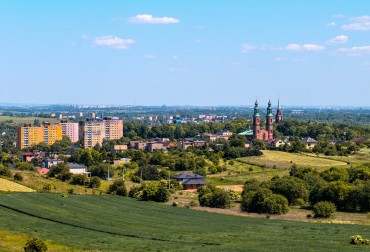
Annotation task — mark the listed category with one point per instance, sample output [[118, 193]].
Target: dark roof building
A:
[[190, 180]]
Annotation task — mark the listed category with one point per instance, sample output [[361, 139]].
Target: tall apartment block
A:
[[93, 132], [70, 130], [28, 135]]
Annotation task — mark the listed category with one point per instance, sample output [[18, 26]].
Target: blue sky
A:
[[185, 52]]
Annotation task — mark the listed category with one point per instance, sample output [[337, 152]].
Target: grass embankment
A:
[[9, 186], [122, 224], [38, 183]]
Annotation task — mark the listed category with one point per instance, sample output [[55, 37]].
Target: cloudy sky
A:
[[185, 52]]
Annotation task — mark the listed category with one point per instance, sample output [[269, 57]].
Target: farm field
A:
[[116, 223], [22, 120], [9, 186]]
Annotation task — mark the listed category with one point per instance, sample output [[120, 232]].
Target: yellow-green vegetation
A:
[[22, 120], [285, 160], [361, 157], [278, 163], [12, 241], [41, 183], [10, 186]]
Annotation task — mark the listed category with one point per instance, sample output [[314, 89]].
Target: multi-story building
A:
[[113, 128], [93, 132], [28, 135], [70, 130]]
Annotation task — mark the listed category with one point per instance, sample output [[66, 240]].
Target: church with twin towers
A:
[[266, 134]]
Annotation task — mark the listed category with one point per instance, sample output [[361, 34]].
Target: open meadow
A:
[[278, 163], [122, 224]]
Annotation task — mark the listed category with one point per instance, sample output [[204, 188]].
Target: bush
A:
[[211, 196], [162, 194], [47, 187], [357, 240], [79, 179], [5, 171], [94, 182], [118, 188], [18, 176], [23, 166], [35, 245], [276, 204], [264, 201], [193, 203], [135, 179], [324, 209]]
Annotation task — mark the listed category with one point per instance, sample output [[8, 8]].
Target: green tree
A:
[[35, 245], [118, 188], [324, 209], [94, 182]]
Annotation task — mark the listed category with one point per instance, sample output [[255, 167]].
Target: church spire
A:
[[256, 109], [279, 113]]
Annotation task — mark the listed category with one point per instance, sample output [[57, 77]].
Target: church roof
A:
[[248, 132]]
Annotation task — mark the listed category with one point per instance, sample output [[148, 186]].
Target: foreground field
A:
[[9, 186], [121, 224]]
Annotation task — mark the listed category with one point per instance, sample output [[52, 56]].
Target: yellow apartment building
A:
[[28, 135]]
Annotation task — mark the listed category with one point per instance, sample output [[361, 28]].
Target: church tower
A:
[[269, 123], [279, 114], [256, 121]]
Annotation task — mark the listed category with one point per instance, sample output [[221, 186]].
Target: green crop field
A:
[[114, 223]]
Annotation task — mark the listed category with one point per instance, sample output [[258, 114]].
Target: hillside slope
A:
[[10, 186], [123, 224]]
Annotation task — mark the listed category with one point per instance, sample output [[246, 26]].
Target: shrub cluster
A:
[[151, 191], [211, 196], [324, 209]]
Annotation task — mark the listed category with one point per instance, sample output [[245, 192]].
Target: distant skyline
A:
[[203, 53]]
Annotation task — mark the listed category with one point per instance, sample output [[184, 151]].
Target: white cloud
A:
[[304, 47], [361, 23], [331, 24], [113, 42], [341, 39], [293, 47], [355, 51], [149, 19], [246, 48], [313, 47]]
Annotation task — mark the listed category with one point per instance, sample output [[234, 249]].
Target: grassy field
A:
[[285, 160], [122, 224], [22, 120], [9, 186], [277, 163]]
